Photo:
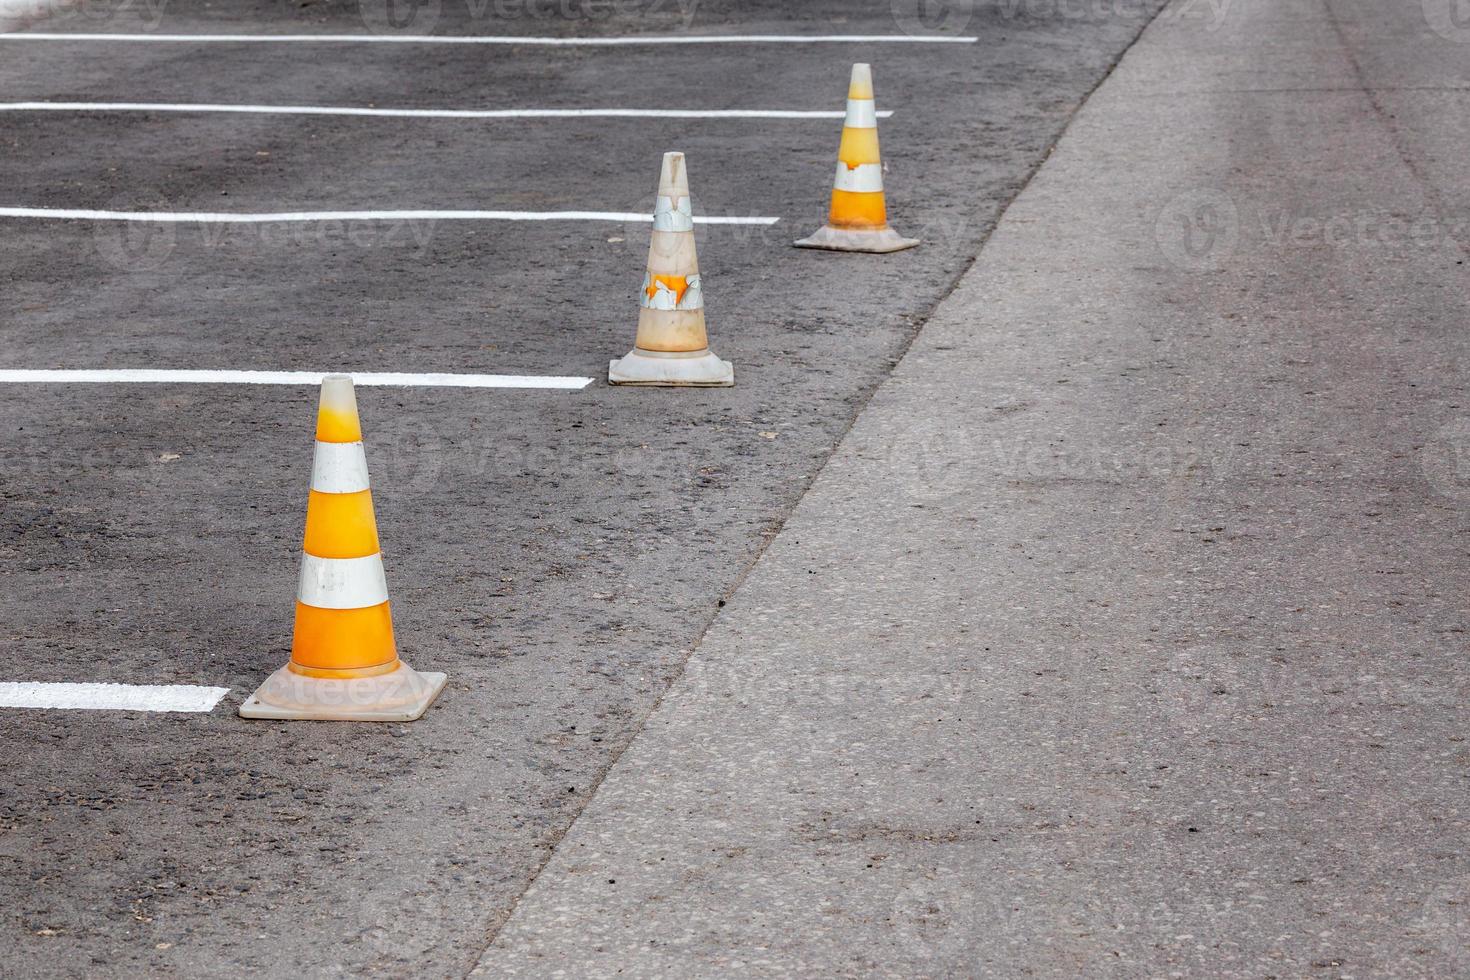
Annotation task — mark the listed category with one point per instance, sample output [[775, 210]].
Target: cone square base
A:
[[402, 695], [878, 240], [651, 368]]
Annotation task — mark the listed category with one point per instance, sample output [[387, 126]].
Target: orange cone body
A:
[[858, 218], [344, 664], [672, 348]]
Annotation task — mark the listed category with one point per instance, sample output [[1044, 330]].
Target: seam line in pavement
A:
[[497, 927]]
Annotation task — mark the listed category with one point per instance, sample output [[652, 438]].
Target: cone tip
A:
[[861, 84], [673, 178], [336, 417]]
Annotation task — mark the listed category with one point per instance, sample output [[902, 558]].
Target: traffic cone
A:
[[858, 221], [672, 348], [344, 665]]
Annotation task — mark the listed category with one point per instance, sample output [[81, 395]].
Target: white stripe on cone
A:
[[342, 583], [864, 178], [862, 114], [673, 215], [339, 467]]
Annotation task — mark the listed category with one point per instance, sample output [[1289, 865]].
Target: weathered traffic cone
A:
[[672, 348], [344, 664], [858, 221]]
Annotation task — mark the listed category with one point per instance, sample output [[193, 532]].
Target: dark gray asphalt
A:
[[558, 554]]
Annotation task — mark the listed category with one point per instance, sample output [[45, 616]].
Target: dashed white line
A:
[[110, 697], [215, 217], [157, 376], [314, 110], [631, 39]]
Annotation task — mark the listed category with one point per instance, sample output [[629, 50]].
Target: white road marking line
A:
[[314, 110], [111, 697], [152, 376], [210, 217], [634, 39]]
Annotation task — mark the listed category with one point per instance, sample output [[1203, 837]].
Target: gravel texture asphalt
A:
[[558, 554]]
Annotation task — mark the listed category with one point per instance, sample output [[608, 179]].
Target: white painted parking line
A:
[[214, 217], [633, 39], [110, 697], [153, 376], [315, 110]]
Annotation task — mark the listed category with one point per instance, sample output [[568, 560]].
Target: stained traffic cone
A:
[[672, 348], [858, 221], [344, 665]]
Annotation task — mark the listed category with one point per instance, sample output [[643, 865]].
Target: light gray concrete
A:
[[1124, 634]]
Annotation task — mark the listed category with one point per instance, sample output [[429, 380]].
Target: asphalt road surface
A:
[[557, 553]]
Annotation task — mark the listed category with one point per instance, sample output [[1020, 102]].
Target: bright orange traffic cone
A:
[[672, 348], [344, 664], [858, 221]]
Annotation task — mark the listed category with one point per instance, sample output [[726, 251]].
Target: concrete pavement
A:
[[1124, 633]]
